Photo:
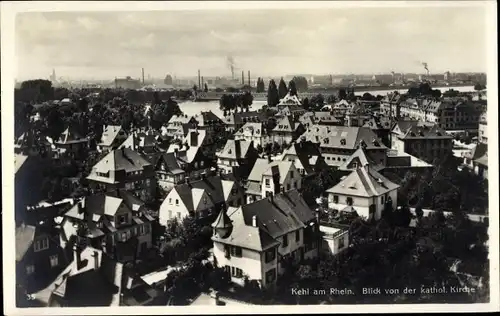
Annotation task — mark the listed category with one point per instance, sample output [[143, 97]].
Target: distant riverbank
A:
[[194, 108]]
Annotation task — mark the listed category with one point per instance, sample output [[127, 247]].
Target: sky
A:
[[104, 45]]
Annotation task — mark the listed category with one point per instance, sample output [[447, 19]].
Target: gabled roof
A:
[[19, 161], [222, 220], [235, 149], [264, 167], [416, 129], [343, 137], [97, 205], [207, 118], [364, 181], [25, 236], [109, 135], [252, 129], [361, 156], [284, 213], [243, 117], [286, 124], [290, 100], [170, 163], [70, 136], [212, 186], [182, 119], [121, 159]]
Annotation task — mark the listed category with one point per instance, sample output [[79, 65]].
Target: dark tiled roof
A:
[[170, 162], [211, 185], [122, 159], [417, 129], [235, 149], [343, 137]]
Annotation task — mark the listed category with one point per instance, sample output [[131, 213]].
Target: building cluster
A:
[[253, 199]]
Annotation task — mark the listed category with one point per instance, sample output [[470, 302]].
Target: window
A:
[[123, 236], [176, 202], [178, 214], [54, 261], [382, 200], [295, 184], [170, 201], [123, 219], [236, 252], [297, 235], [41, 244], [285, 241], [268, 182], [236, 272], [270, 276], [355, 165], [291, 174], [335, 199], [30, 269], [349, 201], [270, 255], [288, 187], [341, 243]]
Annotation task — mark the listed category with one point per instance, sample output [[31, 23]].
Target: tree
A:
[[273, 97], [282, 89], [479, 87], [317, 102], [292, 88], [342, 94], [300, 82]]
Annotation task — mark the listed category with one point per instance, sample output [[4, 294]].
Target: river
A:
[[192, 108]]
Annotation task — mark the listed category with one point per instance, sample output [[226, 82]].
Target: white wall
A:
[[250, 262], [331, 244], [297, 178], [362, 204], [169, 205]]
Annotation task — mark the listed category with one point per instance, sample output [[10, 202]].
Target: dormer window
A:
[[343, 141]]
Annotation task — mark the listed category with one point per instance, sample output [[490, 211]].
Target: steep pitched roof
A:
[[70, 136], [109, 134], [285, 213], [244, 117], [290, 100], [286, 124], [364, 182], [235, 149], [207, 118], [361, 156], [212, 186], [121, 159], [169, 162], [343, 137], [25, 236], [264, 167], [416, 129], [252, 129]]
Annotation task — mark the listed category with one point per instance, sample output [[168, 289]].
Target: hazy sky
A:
[[267, 42]]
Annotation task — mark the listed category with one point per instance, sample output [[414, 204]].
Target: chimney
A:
[[269, 158], [215, 296], [81, 206], [142, 75], [249, 77], [202, 81], [204, 175], [242, 77], [254, 221], [237, 148], [194, 139], [176, 152], [199, 79], [95, 255], [77, 255], [187, 179]]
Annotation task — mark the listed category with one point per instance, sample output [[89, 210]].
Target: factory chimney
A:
[[142, 75], [199, 78], [202, 81], [242, 77], [249, 77]]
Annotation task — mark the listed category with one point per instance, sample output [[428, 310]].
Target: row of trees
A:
[[230, 102]]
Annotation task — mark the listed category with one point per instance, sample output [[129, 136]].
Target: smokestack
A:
[[242, 77], [202, 81], [254, 221], [142, 75], [249, 77], [199, 78]]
